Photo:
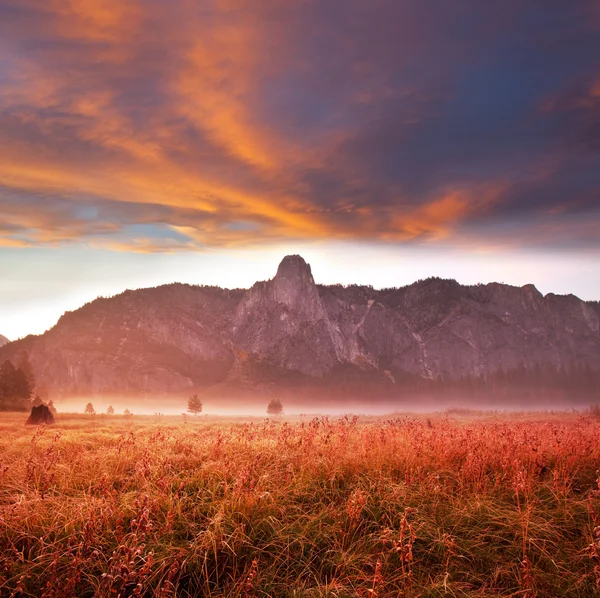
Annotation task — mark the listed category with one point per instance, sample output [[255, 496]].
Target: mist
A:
[[294, 407]]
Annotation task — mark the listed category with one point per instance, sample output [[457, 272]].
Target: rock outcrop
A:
[[3, 341], [178, 337]]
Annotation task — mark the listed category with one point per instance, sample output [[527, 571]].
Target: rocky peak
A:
[[293, 267], [3, 341], [294, 286]]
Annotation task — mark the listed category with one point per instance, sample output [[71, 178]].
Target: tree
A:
[[194, 405], [274, 407], [110, 410], [15, 388], [51, 407], [89, 408]]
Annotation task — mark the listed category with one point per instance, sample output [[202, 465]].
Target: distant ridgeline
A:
[[289, 335]]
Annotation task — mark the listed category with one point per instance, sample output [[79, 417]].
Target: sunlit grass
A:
[[441, 505]]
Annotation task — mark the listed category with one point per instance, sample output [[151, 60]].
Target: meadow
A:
[[452, 504]]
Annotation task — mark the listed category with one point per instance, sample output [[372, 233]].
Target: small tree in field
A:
[[89, 408], [194, 405], [110, 410], [274, 407], [50, 405]]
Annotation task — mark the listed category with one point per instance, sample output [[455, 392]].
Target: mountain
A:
[[3, 341], [290, 333]]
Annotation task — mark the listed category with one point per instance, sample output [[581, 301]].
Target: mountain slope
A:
[[178, 337], [3, 341], [153, 340]]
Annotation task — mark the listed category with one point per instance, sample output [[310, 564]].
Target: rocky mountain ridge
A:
[[177, 337], [3, 340]]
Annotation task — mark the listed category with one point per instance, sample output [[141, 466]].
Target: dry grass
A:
[[410, 507]]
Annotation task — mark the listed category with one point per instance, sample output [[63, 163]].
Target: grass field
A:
[[446, 505]]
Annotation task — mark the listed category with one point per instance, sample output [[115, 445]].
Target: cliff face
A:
[[177, 337], [3, 341]]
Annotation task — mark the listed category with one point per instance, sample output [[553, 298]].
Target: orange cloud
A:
[[435, 218], [438, 219], [213, 90], [110, 21]]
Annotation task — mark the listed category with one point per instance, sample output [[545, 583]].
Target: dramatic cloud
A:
[[172, 126]]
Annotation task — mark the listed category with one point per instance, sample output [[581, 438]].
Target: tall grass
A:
[[389, 507]]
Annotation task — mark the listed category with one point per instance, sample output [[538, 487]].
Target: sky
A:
[[153, 141]]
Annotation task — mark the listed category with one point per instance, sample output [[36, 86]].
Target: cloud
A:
[[176, 126]]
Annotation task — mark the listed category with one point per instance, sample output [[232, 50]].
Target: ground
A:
[[448, 504]]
